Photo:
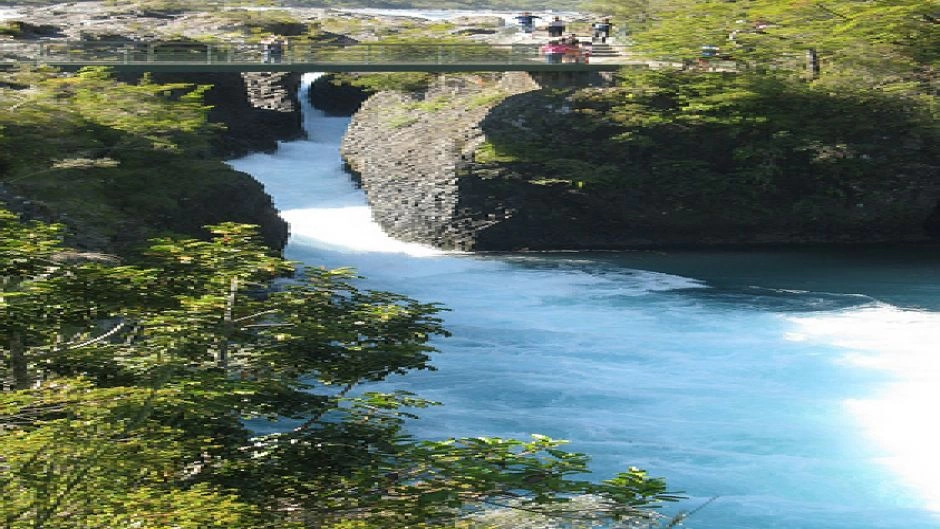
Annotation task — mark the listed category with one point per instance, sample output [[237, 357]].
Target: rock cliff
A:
[[546, 170], [256, 109], [411, 153]]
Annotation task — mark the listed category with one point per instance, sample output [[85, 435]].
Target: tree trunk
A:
[[18, 364], [228, 324], [812, 63]]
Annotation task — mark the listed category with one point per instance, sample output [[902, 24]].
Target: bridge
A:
[[168, 56]]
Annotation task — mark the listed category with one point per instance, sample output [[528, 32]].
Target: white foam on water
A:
[[901, 415], [348, 228]]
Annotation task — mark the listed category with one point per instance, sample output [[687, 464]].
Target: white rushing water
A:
[[800, 400], [9, 12]]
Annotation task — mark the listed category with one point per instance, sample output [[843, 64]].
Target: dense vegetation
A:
[[191, 384], [876, 43], [104, 157], [191, 391], [758, 133], [721, 146]]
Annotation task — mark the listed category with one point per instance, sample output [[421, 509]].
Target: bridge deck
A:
[[297, 57]]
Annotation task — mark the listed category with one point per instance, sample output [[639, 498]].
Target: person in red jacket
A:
[[553, 51]]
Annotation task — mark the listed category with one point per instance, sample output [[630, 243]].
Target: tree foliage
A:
[[107, 157], [878, 43], [204, 388], [757, 142]]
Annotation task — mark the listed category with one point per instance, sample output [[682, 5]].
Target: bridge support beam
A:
[[567, 79]]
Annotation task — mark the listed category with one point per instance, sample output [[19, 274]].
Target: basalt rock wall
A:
[[416, 157], [440, 170], [257, 109], [419, 164], [411, 153]]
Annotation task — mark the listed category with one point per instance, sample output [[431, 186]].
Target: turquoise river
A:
[[798, 387]]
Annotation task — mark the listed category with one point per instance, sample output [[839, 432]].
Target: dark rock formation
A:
[[257, 109], [185, 194], [336, 99], [218, 195], [428, 181], [413, 164], [237, 197], [26, 30]]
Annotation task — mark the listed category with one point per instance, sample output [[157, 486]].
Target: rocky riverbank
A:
[[411, 153], [553, 169], [256, 110]]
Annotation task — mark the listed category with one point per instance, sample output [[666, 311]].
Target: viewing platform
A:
[[167, 56]]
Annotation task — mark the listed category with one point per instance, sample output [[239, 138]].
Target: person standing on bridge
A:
[[527, 21], [553, 51], [277, 49], [573, 51], [556, 28], [602, 30], [273, 49]]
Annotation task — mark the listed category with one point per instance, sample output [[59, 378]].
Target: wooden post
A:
[[812, 63]]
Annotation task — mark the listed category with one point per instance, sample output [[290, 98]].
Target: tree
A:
[[53, 301], [157, 421], [880, 43]]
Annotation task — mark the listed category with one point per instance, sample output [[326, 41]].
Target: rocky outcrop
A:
[[273, 113], [336, 98], [415, 157], [233, 197], [257, 109], [218, 195], [256, 113], [536, 171], [412, 156]]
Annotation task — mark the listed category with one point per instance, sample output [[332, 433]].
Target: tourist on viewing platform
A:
[[527, 21], [553, 51], [602, 30], [573, 52], [273, 49], [556, 28]]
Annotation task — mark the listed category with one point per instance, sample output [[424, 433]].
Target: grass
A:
[[432, 105], [486, 99], [490, 153], [400, 122]]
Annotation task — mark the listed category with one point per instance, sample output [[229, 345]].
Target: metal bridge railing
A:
[[142, 53]]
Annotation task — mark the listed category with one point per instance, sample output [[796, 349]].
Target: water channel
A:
[[799, 387]]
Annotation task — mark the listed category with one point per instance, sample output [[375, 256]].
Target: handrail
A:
[[164, 53]]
